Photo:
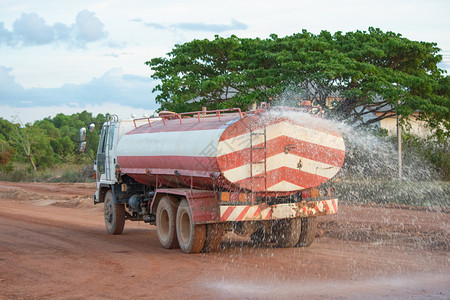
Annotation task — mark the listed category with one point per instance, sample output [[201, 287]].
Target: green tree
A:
[[370, 72], [6, 152], [68, 125], [47, 143], [24, 141]]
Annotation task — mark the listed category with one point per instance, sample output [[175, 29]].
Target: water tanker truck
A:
[[199, 175]]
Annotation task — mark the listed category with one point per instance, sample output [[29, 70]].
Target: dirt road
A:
[[53, 245]]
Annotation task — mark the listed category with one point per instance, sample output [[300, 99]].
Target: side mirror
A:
[[91, 127], [82, 134], [82, 147]]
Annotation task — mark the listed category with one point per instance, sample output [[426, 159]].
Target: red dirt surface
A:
[[54, 245]]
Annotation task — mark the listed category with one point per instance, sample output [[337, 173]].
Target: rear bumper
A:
[[229, 213]]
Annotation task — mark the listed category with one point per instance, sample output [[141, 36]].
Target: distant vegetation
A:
[[47, 149]]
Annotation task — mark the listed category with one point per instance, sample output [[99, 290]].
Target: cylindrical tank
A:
[[279, 150]]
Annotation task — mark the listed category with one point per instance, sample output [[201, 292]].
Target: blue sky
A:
[[67, 56]]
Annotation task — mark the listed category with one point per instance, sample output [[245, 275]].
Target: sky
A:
[[69, 56]]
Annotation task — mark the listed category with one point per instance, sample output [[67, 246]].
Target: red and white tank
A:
[[279, 150]]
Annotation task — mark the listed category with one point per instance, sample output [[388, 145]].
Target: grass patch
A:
[[63, 173]]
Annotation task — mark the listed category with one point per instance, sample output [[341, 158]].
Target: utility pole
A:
[[399, 144]]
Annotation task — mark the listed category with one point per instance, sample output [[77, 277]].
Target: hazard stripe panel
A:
[[278, 145], [296, 177], [283, 160], [229, 213], [294, 131], [305, 120]]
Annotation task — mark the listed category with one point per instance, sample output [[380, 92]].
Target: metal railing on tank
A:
[[165, 116]]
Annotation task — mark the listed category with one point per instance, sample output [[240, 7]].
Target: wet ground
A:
[[53, 245]]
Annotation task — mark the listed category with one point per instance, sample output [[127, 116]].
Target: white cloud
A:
[[62, 31], [197, 26], [31, 30], [88, 28], [8, 84], [5, 35], [114, 87]]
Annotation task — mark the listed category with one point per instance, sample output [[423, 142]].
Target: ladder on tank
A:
[[255, 150]]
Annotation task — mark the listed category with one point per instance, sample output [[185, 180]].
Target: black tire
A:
[[166, 215], [213, 237], [114, 214], [191, 237], [286, 232], [308, 232], [258, 236]]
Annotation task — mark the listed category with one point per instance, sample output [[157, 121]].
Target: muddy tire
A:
[[213, 237], [191, 237], [258, 237], [114, 214], [308, 232], [166, 215], [286, 232]]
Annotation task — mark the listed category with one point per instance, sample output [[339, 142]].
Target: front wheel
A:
[[191, 237], [114, 214]]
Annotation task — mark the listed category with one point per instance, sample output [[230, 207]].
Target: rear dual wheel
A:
[[298, 232], [213, 237], [308, 232], [191, 237], [166, 214], [286, 232], [176, 229]]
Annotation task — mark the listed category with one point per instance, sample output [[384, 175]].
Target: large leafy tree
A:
[[368, 72]]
